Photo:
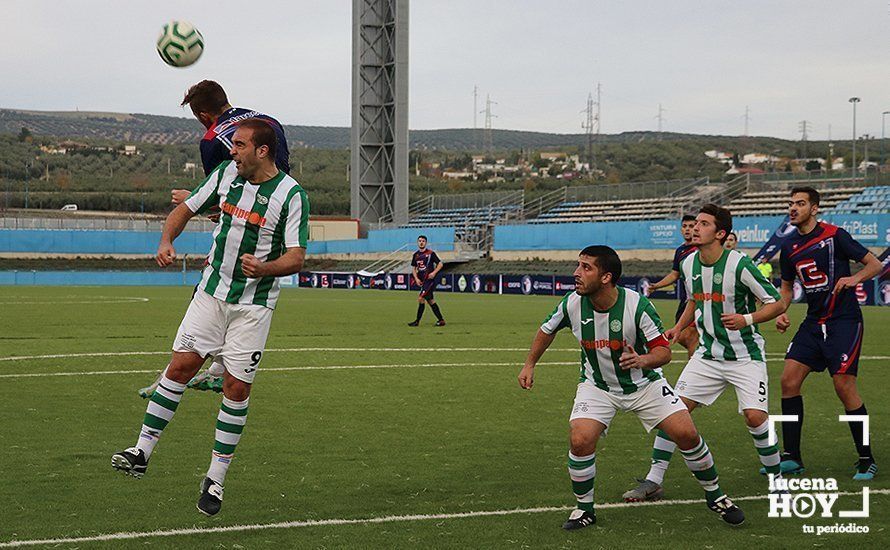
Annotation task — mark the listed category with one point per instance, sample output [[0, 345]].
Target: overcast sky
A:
[[704, 61]]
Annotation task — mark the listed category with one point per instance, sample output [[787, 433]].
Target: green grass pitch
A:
[[443, 429]]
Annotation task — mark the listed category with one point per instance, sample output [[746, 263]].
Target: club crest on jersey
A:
[[718, 278], [615, 325], [262, 200]]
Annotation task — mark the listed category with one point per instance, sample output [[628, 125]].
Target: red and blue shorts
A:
[[834, 346]]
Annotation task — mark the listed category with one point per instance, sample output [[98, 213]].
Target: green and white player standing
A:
[[723, 288], [622, 350], [261, 236]]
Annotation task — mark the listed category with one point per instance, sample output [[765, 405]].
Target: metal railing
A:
[[718, 193], [388, 262], [485, 199], [98, 224], [631, 190], [670, 189], [544, 203]]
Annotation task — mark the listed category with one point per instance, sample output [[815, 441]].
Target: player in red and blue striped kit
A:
[[818, 254], [426, 266]]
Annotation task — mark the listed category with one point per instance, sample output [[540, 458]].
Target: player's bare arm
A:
[[177, 196], [436, 271], [684, 321], [668, 279], [287, 264], [657, 357], [872, 269], [540, 344], [782, 321], [737, 321], [173, 226]]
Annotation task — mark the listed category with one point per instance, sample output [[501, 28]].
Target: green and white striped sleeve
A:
[[559, 318], [754, 280], [648, 321], [206, 195], [296, 229]]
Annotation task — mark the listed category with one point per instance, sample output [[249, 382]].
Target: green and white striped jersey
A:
[[731, 285], [260, 219], [632, 321]]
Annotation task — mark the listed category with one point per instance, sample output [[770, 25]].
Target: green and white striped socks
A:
[[662, 451], [701, 464], [582, 470], [229, 425], [160, 410], [769, 454]]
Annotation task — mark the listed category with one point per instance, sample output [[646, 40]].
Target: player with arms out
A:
[[262, 236], [210, 105], [622, 350], [723, 287], [427, 265], [818, 254], [688, 338]]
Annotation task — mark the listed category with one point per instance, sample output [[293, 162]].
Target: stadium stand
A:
[[747, 195], [874, 200], [767, 203], [626, 201], [467, 212], [470, 217], [594, 211]]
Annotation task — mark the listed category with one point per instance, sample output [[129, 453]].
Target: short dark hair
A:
[[812, 194], [422, 237], [606, 260], [733, 233], [263, 134], [687, 218], [206, 96], [722, 218]]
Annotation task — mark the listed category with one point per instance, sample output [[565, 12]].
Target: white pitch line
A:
[[133, 353], [121, 300], [330, 367], [273, 369], [372, 520], [296, 350]]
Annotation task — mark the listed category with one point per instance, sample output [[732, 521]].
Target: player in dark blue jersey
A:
[[210, 105], [830, 337], [426, 266], [689, 337]]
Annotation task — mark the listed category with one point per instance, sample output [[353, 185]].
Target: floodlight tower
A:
[[379, 136]]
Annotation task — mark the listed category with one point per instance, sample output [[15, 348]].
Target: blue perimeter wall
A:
[[753, 231], [869, 229], [100, 278], [53, 241]]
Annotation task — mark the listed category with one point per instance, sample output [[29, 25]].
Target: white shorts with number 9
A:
[[652, 404], [235, 334]]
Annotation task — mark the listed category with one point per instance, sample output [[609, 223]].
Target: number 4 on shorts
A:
[[666, 391]]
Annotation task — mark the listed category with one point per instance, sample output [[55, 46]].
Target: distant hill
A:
[[121, 127]]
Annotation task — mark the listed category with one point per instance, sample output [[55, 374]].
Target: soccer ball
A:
[[180, 44]]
